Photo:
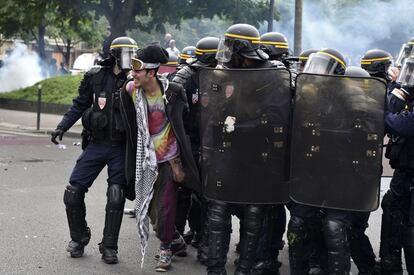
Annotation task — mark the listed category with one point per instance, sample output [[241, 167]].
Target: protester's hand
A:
[[57, 133]]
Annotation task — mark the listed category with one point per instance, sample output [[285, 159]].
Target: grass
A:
[[60, 90]]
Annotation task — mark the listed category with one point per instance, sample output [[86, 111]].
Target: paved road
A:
[[33, 226]]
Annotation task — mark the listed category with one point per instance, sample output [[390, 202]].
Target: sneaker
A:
[[164, 261]]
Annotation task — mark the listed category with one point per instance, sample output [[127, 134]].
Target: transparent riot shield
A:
[[337, 134], [244, 128]]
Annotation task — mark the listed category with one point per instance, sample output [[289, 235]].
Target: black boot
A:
[[218, 237], [298, 238], [390, 245], [113, 219], [76, 212], [253, 220], [337, 245], [268, 267]]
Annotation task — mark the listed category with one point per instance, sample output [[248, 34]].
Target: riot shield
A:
[[244, 134], [337, 134]]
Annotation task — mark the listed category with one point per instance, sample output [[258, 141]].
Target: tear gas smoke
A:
[[351, 29], [20, 69]]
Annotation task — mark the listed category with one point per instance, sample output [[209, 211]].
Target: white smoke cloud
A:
[[20, 69], [351, 29]]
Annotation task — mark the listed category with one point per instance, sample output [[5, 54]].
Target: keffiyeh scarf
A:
[[146, 172]]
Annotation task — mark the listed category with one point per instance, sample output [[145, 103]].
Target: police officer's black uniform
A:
[[104, 144], [397, 229]]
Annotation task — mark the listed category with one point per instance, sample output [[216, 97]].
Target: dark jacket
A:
[[175, 108], [93, 80]]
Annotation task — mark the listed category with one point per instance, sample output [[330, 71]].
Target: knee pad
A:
[[335, 234], [116, 196], [74, 196], [219, 215], [297, 232]]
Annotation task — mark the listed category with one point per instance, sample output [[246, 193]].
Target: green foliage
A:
[[60, 90], [152, 15]]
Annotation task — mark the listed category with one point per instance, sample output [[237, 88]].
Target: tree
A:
[[32, 19], [27, 19], [153, 14]]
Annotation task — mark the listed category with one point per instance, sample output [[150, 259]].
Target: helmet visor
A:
[[405, 52], [406, 77], [319, 63], [125, 57], [224, 51]]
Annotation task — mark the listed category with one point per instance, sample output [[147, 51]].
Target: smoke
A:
[[20, 69], [351, 29]]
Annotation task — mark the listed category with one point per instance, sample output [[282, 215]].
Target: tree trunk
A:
[[67, 51], [41, 42], [271, 13], [298, 26]]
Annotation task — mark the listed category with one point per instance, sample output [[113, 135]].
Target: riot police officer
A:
[[189, 205], [187, 53], [306, 221], [377, 63], [238, 49], [398, 220], [303, 58], [276, 45], [98, 105], [361, 249]]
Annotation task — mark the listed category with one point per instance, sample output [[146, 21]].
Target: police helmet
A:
[[275, 45], [376, 62], [123, 49], [303, 58], [205, 52], [186, 53], [241, 39], [326, 61], [172, 60], [356, 72], [406, 50]]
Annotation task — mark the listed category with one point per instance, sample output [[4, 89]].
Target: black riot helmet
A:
[[405, 52], [205, 52], [123, 49], [243, 40], [326, 61], [303, 58], [186, 53], [275, 45], [376, 62]]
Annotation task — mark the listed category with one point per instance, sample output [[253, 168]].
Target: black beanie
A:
[[153, 54]]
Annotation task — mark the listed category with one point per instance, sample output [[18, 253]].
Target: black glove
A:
[[55, 134]]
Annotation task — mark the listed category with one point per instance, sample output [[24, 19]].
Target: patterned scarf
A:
[[146, 172]]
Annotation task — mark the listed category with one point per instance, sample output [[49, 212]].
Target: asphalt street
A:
[[33, 225]]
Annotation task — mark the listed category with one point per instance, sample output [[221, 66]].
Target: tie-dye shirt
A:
[[165, 142]]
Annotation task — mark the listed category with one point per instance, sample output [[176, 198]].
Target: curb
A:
[[31, 106]]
